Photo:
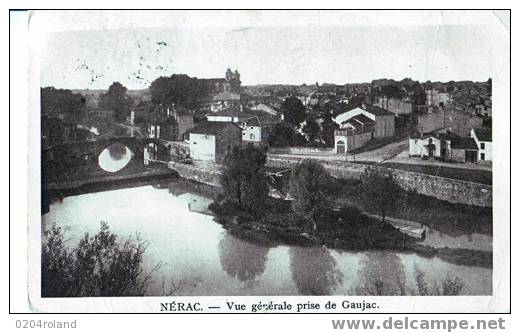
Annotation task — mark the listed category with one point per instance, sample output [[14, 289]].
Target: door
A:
[[340, 147], [471, 156]]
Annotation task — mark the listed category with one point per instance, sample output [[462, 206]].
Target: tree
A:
[[329, 126], [392, 91], [99, 265], [244, 180], [118, 101], [380, 191], [293, 111], [55, 102], [177, 89], [308, 185], [283, 135], [311, 129]]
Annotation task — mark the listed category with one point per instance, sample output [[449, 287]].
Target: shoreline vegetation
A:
[[328, 212]]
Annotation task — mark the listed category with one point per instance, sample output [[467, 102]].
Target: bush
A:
[[100, 265]]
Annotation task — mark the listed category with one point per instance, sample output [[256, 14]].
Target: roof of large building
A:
[[231, 113], [484, 134], [377, 111], [357, 126], [362, 119], [464, 143], [212, 127], [214, 80]]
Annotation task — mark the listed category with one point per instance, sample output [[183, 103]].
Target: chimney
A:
[[241, 108]]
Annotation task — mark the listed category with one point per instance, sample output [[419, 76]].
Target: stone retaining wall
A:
[[452, 190], [209, 175]]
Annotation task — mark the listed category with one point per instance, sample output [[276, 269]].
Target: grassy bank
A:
[[449, 218], [346, 229]]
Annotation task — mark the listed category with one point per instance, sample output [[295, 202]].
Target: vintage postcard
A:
[[269, 161]]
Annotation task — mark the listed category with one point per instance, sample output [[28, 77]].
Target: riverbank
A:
[[347, 229]]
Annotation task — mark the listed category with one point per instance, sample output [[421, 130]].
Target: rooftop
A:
[[377, 111], [361, 118], [464, 143], [226, 96], [211, 127], [231, 113], [438, 134], [484, 134]]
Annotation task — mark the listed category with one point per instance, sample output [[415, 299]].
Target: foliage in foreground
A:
[[99, 265], [244, 180], [308, 184], [380, 190]]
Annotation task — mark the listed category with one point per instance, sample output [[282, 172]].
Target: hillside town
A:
[[390, 122]]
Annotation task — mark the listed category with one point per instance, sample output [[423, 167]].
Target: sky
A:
[[266, 55]]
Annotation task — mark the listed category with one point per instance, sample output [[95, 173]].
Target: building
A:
[[211, 141], [394, 105], [451, 118], [464, 149], [384, 121], [255, 125], [484, 140], [230, 83], [183, 122], [268, 108], [348, 139], [223, 101], [443, 145], [170, 125], [223, 92], [229, 115], [56, 131], [437, 98]]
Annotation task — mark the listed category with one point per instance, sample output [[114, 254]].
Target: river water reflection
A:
[[202, 258]]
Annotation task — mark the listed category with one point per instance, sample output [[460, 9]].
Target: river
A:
[[201, 258]]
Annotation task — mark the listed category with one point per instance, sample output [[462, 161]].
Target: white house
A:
[[484, 140], [213, 140], [252, 131], [384, 121], [443, 145]]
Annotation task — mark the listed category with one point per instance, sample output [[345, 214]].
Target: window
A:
[[482, 145], [482, 156]]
